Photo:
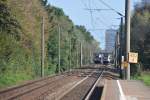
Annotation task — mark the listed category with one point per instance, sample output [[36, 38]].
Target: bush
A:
[[13, 78], [135, 70]]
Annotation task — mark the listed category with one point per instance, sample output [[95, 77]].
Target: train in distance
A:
[[102, 58]]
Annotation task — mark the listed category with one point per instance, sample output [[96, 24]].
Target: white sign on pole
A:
[[133, 57]]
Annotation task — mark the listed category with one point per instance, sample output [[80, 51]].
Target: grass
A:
[[13, 79], [145, 77]]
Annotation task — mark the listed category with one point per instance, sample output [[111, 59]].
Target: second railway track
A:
[[22, 90], [78, 83]]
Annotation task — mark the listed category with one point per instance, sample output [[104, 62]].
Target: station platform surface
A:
[[125, 90]]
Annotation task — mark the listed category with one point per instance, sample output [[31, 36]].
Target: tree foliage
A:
[[20, 33], [140, 30], [8, 24], [71, 37], [44, 2]]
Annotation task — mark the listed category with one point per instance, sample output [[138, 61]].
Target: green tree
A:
[[140, 26], [147, 50]]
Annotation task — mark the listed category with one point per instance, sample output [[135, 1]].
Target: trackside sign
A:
[[133, 57]]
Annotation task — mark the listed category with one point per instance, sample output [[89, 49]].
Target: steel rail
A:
[[93, 87], [29, 83], [78, 83]]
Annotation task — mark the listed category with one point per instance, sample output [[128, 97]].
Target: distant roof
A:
[[105, 51], [111, 30]]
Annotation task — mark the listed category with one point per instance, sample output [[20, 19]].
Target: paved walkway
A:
[[125, 90]]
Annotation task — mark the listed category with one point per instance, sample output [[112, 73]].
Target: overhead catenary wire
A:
[[92, 20], [100, 20], [96, 29], [109, 8], [97, 9], [84, 3], [104, 3], [101, 15], [107, 5], [91, 13]]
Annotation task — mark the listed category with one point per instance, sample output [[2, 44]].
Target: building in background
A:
[[110, 36], [146, 1]]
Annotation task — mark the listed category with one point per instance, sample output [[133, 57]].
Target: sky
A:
[[95, 21]]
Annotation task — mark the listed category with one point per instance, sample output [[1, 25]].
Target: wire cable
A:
[[110, 7], [91, 13]]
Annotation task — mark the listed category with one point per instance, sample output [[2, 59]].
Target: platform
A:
[[125, 90]]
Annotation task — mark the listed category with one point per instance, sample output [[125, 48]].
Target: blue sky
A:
[[96, 21]]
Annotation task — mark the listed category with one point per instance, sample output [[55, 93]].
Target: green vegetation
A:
[[140, 36], [20, 34], [12, 79], [140, 39], [70, 38], [145, 77]]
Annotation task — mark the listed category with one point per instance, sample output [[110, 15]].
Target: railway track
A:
[[19, 91], [84, 90], [43, 88], [93, 87]]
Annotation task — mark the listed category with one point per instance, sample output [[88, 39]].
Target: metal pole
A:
[[118, 48], [59, 48], [42, 49], [121, 46], [77, 56], [81, 55], [127, 31], [90, 56], [70, 54], [87, 55], [121, 40], [116, 51], [115, 54]]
